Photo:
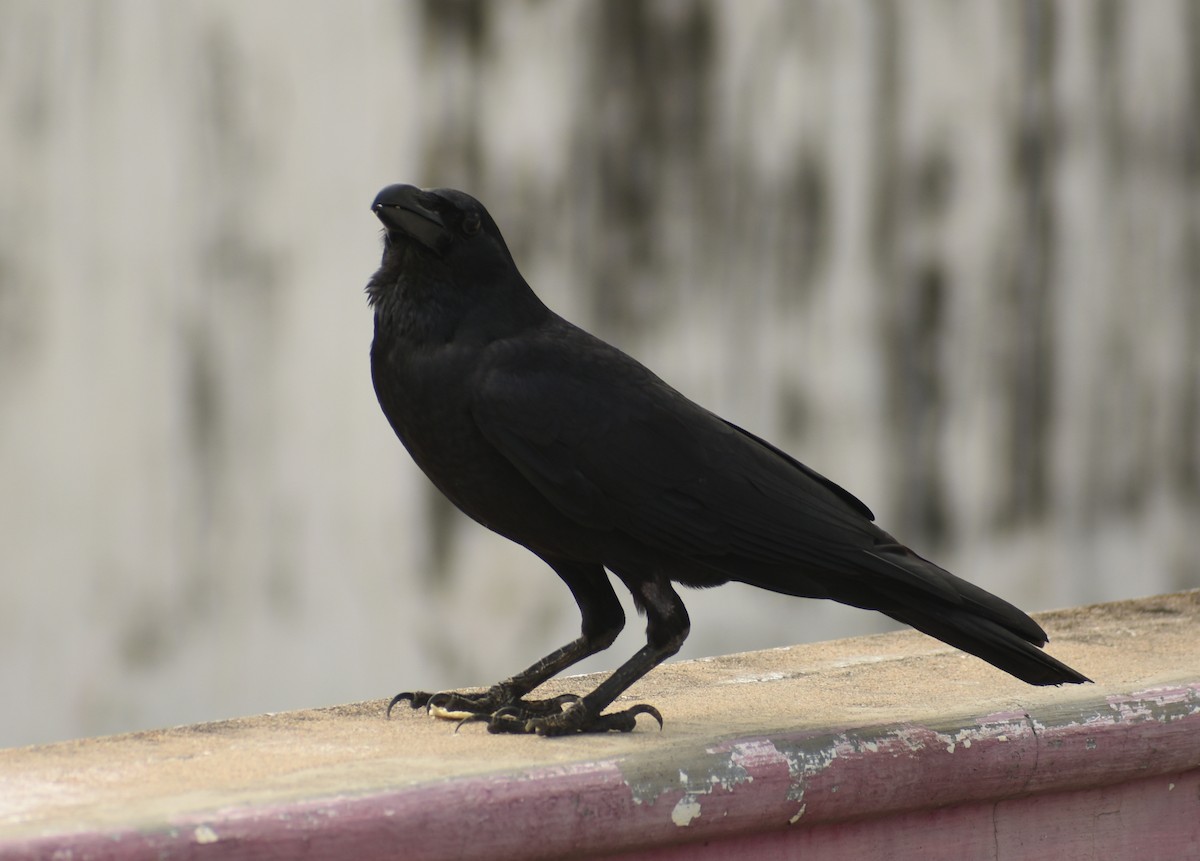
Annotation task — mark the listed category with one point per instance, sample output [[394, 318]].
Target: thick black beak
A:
[[402, 208]]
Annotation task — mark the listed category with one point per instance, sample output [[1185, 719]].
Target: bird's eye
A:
[[470, 225]]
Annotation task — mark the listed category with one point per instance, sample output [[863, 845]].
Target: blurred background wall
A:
[[946, 253]]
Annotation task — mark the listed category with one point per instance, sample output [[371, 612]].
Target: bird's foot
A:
[[575, 718], [469, 706]]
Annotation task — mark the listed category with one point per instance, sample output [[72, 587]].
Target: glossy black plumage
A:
[[566, 445]]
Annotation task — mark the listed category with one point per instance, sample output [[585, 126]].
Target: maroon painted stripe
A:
[[758, 784]]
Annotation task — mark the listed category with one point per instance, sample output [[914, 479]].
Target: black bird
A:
[[564, 444]]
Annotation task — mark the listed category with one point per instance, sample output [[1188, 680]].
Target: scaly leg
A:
[[603, 619], [667, 627]]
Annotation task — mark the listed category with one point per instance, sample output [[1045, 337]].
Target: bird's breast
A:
[[426, 398]]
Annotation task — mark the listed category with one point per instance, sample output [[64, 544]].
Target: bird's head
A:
[[438, 235]]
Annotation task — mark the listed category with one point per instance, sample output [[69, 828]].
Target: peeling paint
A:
[[1162, 704], [952, 741], [685, 810], [717, 773], [797, 760], [913, 738], [725, 770]]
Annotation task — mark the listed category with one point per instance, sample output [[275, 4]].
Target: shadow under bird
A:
[[562, 443]]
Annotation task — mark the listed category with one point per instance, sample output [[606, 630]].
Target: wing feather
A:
[[645, 460]]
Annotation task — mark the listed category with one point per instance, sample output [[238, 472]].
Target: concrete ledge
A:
[[894, 746]]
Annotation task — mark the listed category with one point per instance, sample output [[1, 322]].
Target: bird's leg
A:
[[458, 705], [667, 627], [603, 619]]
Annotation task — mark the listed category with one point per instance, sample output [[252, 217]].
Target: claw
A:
[[401, 697], [645, 709], [472, 718], [571, 721], [560, 715]]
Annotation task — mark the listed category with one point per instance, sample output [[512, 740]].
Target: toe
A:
[[416, 699]]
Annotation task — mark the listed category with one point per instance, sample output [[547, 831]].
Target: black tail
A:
[[895, 581], [1000, 646], [959, 613]]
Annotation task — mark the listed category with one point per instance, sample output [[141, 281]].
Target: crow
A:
[[562, 443]]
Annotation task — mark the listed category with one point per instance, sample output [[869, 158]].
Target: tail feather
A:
[[919, 593], [988, 640]]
